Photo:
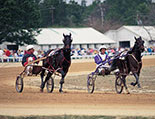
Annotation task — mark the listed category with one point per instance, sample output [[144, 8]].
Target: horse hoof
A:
[[128, 92], [61, 91], [133, 84], [139, 86], [41, 90], [42, 86]]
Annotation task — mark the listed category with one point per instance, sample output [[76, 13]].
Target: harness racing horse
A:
[[58, 61], [131, 63]]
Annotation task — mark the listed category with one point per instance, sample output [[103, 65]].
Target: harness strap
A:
[[53, 69], [65, 59], [135, 59]]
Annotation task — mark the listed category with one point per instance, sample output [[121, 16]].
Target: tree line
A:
[[20, 20]]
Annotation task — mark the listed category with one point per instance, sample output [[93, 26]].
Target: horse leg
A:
[[42, 77], [61, 81], [44, 82], [61, 85], [137, 80], [124, 83]]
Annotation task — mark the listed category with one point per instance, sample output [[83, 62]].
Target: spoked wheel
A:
[[19, 84], [118, 85], [50, 85], [91, 83]]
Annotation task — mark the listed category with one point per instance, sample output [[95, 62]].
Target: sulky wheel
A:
[[118, 85], [91, 83], [50, 85], [19, 84]]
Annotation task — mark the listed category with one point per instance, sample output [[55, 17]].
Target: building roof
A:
[[79, 35], [146, 32]]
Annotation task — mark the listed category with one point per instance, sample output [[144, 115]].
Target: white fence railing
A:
[[19, 59], [147, 53], [10, 59]]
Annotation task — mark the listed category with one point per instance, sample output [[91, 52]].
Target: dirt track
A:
[[75, 102]]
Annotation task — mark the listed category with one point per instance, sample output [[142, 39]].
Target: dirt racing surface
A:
[[76, 100]]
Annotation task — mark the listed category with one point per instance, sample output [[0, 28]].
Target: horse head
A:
[[67, 41], [139, 43]]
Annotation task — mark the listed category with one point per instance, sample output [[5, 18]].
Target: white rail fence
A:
[[19, 59]]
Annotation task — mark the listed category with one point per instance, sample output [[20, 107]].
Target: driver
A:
[[100, 58], [29, 57]]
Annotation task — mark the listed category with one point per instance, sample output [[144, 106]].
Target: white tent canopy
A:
[[81, 36], [147, 32], [126, 34]]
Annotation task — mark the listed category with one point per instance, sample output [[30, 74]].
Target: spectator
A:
[[149, 50], [7, 52]]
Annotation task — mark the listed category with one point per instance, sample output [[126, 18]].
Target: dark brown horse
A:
[[132, 63], [59, 61]]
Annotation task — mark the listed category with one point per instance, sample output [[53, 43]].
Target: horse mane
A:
[[132, 50]]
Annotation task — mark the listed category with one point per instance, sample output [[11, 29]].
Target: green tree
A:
[[19, 21], [74, 13], [53, 13], [57, 13], [92, 13], [126, 10]]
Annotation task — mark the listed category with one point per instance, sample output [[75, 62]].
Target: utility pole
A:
[[52, 11], [102, 14]]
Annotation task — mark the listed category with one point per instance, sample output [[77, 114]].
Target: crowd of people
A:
[[8, 55]]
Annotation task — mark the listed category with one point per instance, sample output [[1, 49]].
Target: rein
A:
[[37, 60], [135, 58], [136, 61]]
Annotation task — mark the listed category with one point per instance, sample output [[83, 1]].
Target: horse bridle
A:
[[140, 47]]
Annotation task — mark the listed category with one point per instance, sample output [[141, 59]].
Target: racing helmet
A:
[[102, 47]]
